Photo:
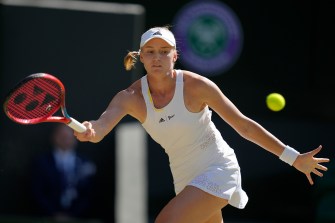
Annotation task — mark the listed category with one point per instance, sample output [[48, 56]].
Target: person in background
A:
[[175, 107], [62, 179]]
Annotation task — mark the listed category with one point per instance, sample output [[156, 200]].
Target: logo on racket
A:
[[33, 98]]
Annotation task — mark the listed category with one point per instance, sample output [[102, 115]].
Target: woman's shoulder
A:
[[133, 91], [194, 79], [132, 100]]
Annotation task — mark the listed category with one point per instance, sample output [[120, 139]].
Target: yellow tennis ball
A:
[[275, 101]]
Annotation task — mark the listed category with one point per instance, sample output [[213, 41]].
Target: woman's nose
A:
[[156, 56]]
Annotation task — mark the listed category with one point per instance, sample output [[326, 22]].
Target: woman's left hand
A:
[[307, 164]]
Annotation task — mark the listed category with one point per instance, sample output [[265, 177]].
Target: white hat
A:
[[158, 32]]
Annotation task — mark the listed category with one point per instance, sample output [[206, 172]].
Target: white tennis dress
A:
[[197, 153]]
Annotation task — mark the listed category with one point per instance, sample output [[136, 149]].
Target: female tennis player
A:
[[175, 107]]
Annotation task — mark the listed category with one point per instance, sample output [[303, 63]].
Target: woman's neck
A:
[[160, 84]]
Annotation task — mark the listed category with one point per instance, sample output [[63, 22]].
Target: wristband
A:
[[289, 155]]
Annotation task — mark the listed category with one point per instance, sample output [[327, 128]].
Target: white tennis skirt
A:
[[213, 169]]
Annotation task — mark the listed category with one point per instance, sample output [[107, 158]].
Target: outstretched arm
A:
[[306, 163], [98, 129], [121, 105]]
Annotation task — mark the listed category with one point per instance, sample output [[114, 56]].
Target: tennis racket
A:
[[36, 99]]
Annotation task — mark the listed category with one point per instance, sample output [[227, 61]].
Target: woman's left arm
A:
[[306, 163]]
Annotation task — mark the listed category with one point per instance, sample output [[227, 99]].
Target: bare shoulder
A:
[[196, 82], [132, 92], [191, 76], [197, 91], [131, 100]]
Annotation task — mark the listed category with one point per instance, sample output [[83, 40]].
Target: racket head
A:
[[35, 99]]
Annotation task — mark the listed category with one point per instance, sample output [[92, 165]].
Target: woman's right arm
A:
[[116, 110]]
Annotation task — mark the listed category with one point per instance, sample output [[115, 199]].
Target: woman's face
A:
[[158, 56]]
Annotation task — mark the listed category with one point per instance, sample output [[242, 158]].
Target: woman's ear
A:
[[140, 56], [175, 57]]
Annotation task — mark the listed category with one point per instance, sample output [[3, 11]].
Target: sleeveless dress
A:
[[198, 155]]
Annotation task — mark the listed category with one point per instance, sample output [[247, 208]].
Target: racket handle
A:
[[77, 126]]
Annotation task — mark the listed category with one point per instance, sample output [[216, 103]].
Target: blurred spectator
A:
[[62, 179]]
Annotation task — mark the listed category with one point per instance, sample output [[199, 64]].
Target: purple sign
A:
[[209, 37]]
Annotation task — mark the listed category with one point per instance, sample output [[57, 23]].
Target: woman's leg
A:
[[192, 205]]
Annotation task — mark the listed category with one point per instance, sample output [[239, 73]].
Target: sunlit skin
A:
[[158, 57]]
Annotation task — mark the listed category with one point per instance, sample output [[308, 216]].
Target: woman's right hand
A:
[[88, 135]]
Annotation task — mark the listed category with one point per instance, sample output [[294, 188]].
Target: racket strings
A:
[[36, 98]]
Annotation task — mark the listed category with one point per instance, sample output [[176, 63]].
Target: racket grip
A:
[[77, 126]]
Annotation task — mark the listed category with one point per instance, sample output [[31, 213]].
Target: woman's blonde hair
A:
[[130, 60]]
